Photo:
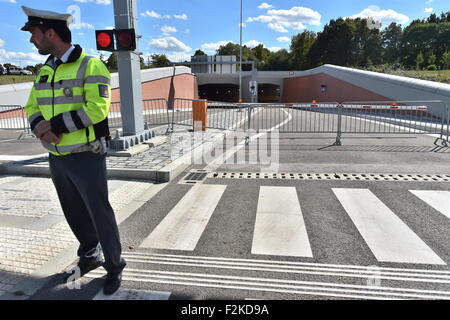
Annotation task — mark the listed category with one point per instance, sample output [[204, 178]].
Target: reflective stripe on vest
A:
[[34, 117], [72, 83], [60, 100], [61, 149]]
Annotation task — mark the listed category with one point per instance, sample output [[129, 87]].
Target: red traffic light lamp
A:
[[116, 40], [126, 39], [105, 40]]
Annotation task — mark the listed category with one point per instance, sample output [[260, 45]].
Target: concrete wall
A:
[[308, 88], [157, 83], [346, 84], [165, 83]]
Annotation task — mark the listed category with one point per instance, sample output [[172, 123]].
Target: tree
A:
[[199, 53], [301, 44], [445, 60], [279, 61], [111, 63], [159, 61], [391, 42], [419, 61], [260, 55]]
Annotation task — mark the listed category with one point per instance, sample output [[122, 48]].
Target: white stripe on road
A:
[[266, 284], [389, 238], [21, 158], [184, 224], [439, 200], [279, 226]]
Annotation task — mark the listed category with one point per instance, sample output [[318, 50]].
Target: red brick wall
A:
[[308, 88], [184, 86]]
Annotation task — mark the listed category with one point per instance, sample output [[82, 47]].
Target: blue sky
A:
[[179, 27]]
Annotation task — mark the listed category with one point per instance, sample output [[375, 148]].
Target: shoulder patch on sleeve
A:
[[103, 91]]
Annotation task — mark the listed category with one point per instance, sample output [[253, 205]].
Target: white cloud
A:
[[243, 25], [428, 10], [9, 1], [2, 43], [283, 39], [386, 17], [212, 47], [429, 2], [179, 57], [279, 28], [81, 25], [274, 49], [252, 44], [265, 5], [105, 2], [295, 18], [181, 16], [153, 14], [21, 58], [170, 44], [168, 29]]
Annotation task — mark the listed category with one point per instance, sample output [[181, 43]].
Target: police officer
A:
[[67, 110]]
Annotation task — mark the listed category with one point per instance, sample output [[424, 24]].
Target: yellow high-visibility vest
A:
[[75, 97]]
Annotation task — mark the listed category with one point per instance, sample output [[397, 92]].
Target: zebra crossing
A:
[[279, 227], [281, 262]]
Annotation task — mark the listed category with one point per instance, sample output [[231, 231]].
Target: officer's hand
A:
[[50, 137], [43, 128]]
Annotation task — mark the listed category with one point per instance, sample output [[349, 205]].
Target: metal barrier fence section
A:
[[395, 117], [390, 117], [385, 117], [13, 117]]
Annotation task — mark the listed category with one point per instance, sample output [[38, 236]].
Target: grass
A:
[[438, 76], [5, 79]]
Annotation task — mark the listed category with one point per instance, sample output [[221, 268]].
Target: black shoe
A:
[[112, 282], [85, 267]]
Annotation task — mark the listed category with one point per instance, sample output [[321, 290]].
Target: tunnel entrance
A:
[[268, 93], [225, 92]]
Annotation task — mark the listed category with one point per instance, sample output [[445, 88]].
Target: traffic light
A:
[[116, 40], [126, 39], [105, 40]]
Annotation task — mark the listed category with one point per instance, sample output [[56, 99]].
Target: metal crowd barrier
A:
[[13, 117], [395, 117], [384, 117]]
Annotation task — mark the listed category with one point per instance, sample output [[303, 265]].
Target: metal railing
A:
[[366, 117], [395, 117], [13, 117], [384, 117]]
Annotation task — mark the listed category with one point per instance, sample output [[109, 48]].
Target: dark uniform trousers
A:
[[81, 183]]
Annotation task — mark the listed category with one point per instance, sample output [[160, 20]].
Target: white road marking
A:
[[439, 200], [279, 226], [21, 158], [184, 224], [389, 238], [265, 284], [290, 267]]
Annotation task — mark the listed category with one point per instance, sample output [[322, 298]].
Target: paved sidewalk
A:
[[35, 240], [159, 163]]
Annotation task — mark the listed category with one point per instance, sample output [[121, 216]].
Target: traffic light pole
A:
[[125, 15]]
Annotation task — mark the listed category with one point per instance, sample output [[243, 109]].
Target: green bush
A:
[[432, 67]]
